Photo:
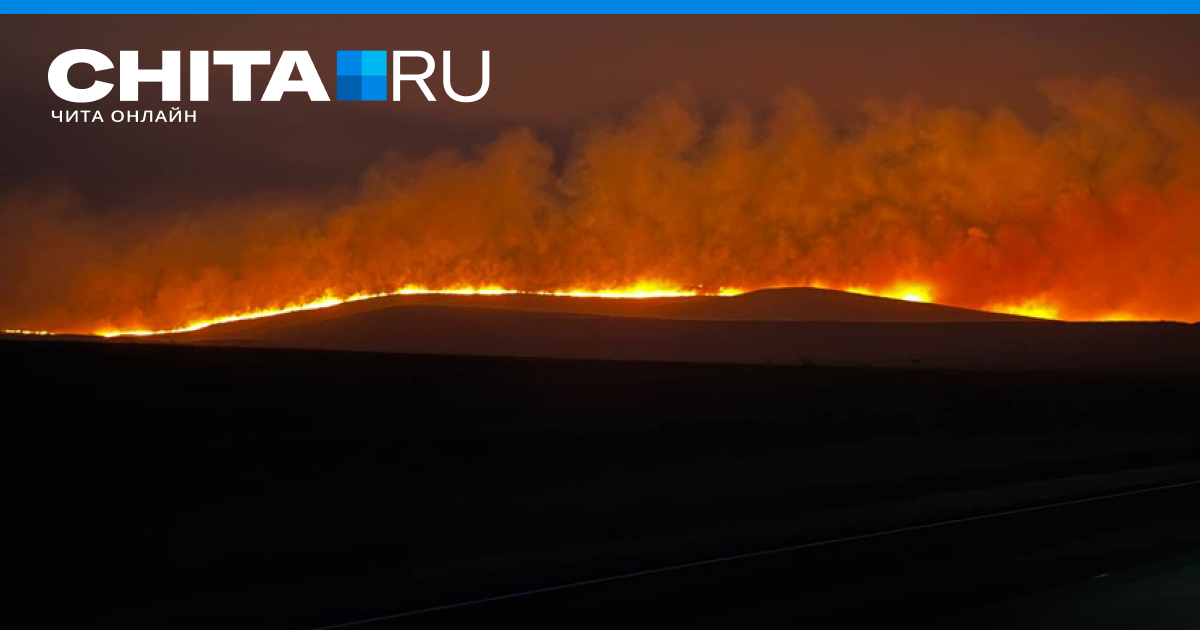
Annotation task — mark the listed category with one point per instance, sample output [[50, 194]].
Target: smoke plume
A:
[[1095, 214]]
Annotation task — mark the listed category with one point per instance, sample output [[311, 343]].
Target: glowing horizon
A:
[[913, 292]]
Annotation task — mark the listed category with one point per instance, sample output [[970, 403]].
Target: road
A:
[[913, 576]]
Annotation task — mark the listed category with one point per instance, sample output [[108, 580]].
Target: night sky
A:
[[1037, 166], [553, 74]]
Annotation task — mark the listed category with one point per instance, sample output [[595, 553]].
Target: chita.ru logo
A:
[[362, 75]]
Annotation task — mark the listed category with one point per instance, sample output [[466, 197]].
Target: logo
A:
[[362, 75]]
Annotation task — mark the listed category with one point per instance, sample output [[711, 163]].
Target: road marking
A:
[[752, 554]]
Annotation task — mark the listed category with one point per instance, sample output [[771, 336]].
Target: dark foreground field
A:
[[160, 486]]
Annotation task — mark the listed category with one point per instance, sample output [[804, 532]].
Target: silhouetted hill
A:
[[792, 304], [816, 305], [951, 345]]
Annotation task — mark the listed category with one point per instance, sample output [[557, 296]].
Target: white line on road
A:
[[752, 554]]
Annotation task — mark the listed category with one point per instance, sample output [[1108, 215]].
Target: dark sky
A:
[[554, 74]]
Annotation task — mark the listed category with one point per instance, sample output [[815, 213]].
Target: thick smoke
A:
[[1095, 214]]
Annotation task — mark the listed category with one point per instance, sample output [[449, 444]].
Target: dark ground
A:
[[166, 486]]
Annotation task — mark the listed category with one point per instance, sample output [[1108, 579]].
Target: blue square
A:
[[374, 63], [374, 88], [349, 64], [349, 88]]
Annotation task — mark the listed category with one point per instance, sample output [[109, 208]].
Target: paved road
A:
[[907, 577], [1162, 596]]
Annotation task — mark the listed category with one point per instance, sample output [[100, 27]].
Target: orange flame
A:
[[647, 290], [1092, 216], [908, 292]]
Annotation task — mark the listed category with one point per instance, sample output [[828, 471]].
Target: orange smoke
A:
[[1092, 216]]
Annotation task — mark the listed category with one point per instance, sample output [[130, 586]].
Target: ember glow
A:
[[907, 292], [640, 291], [1093, 215]]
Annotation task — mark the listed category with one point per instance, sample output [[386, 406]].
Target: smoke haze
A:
[[1096, 214]]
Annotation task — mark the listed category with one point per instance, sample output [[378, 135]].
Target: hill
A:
[[706, 330]]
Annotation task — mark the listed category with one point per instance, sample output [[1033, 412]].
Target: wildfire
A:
[[1032, 308], [636, 292], [1090, 216], [908, 292]]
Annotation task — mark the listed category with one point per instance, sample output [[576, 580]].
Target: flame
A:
[[640, 291], [1124, 317], [907, 291], [645, 290], [1038, 308], [1093, 215], [1042, 308]]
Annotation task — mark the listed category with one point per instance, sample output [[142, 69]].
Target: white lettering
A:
[[132, 75], [64, 90]]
